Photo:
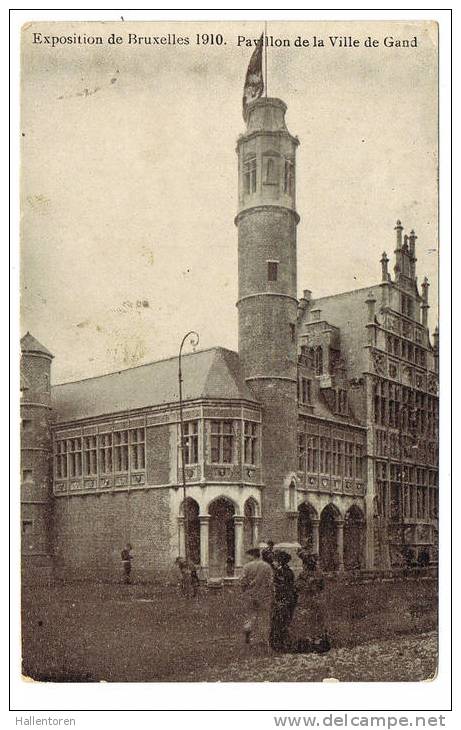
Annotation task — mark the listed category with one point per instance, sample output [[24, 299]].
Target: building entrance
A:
[[221, 537]]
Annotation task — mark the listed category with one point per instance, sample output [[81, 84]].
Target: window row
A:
[[402, 502], [405, 408], [406, 473], [119, 451], [223, 442], [270, 174], [406, 350], [123, 451], [326, 455], [407, 305]]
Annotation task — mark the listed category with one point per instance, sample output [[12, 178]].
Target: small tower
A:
[[267, 303], [36, 455]]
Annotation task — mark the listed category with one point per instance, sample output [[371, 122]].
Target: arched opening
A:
[[221, 536], [250, 514], [354, 539], [329, 559], [306, 538], [192, 529]]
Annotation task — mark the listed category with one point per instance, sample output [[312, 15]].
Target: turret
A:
[[435, 338], [36, 454], [267, 304], [425, 303]]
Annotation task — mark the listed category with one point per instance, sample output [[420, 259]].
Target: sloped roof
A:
[[30, 344], [209, 374], [321, 409]]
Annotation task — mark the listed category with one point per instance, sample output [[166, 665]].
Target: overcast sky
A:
[[129, 178]]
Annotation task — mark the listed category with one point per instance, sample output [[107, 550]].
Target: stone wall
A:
[[90, 531]]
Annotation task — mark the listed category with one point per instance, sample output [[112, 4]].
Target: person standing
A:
[[284, 603], [308, 630], [258, 590], [189, 582], [268, 553], [126, 563]]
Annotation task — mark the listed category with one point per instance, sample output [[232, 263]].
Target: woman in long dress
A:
[[284, 601], [308, 630]]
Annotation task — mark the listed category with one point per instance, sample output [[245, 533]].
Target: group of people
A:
[[282, 612]]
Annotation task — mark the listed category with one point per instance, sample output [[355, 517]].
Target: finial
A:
[[399, 228]]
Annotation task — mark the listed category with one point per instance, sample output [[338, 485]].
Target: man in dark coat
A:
[[126, 563]]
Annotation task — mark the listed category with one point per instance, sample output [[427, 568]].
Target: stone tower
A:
[[267, 303], [36, 455]]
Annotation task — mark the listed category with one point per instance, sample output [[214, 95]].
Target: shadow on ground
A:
[[102, 632]]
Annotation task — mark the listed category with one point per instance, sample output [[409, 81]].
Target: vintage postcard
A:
[[229, 340]]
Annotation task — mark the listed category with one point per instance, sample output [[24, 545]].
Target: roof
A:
[[322, 410], [207, 374], [30, 344]]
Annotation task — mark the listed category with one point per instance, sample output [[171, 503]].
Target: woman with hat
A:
[[284, 601]]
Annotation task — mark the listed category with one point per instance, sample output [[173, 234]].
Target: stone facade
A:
[[321, 431]]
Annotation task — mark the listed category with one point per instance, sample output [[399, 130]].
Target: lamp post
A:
[[194, 340]]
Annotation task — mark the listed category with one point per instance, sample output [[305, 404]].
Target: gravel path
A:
[[405, 659]]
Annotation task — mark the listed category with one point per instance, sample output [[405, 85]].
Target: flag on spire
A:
[[254, 83]]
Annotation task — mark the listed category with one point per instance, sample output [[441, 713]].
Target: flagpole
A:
[[265, 56]]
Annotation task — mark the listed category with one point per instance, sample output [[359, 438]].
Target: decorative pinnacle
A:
[[398, 225]]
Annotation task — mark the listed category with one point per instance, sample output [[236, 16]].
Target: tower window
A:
[[288, 177], [27, 527], [27, 476], [271, 175], [249, 176], [272, 270]]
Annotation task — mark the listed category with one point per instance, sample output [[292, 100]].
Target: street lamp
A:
[[194, 340]]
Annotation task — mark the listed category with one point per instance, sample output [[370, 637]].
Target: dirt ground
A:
[[408, 659], [101, 632]]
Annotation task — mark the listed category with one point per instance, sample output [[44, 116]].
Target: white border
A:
[[280, 698]]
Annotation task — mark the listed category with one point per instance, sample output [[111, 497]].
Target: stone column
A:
[[340, 541], [315, 536], [238, 532], [292, 518], [204, 538], [255, 525], [181, 538]]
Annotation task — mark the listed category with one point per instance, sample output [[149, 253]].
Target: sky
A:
[[129, 177]]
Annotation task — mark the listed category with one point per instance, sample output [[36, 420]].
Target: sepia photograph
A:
[[229, 351]]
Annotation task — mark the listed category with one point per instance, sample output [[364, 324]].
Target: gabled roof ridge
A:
[[143, 365], [349, 291]]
